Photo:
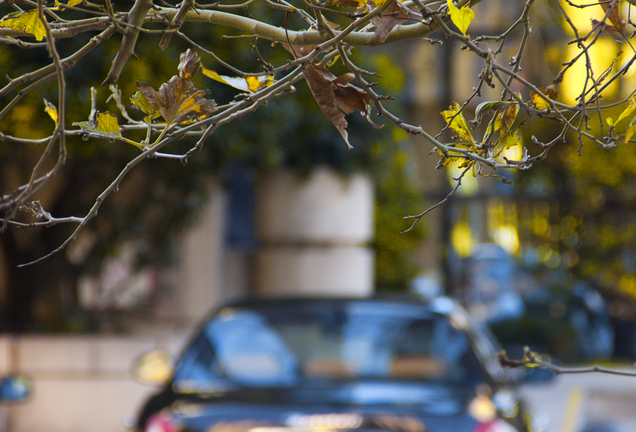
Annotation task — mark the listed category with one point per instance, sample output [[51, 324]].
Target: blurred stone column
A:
[[200, 274], [314, 234]]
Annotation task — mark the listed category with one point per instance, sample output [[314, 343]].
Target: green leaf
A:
[[460, 17]]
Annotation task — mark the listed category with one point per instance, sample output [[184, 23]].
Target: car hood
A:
[[402, 407]]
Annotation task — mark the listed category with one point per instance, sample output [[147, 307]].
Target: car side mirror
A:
[[153, 367], [15, 388]]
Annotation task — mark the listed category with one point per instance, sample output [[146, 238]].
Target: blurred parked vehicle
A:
[[571, 325], [338, 364]]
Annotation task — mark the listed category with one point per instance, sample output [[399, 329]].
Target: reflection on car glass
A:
[[369, 343], [250, 352], [198, 370], [268, 348]]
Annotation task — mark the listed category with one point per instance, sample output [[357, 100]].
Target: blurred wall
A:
[[79, 383]]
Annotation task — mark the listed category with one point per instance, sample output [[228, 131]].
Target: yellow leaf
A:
[[631, 129], [460, 17], [334, 60], [540, 103], [139, 101], [70, 3], [458, 123], [50, 109], [249, 84], [350, 3], [28, 22], [507, 141], [627, 111], [253, 83], [105, 125]]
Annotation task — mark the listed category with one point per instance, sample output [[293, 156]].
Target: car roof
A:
[[442, 305]]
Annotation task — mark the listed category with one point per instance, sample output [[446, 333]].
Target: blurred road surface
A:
[[571, 402]]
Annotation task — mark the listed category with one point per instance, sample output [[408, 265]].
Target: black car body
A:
[[363, 364]]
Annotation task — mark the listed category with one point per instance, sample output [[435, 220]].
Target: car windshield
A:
[[285, 344]]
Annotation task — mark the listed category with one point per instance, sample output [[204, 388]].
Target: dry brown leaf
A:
[[613, 15], [189, 64], [299, 50], [393, 16], [508, 116], [337, 97]]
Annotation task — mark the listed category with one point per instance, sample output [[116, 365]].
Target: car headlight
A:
[[160, 423], [497, 425], [482, 409]]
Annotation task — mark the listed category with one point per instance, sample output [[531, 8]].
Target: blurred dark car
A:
[[338, 364], [571, 325]]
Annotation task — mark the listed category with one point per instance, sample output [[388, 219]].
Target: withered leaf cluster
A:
[[179, 99]]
